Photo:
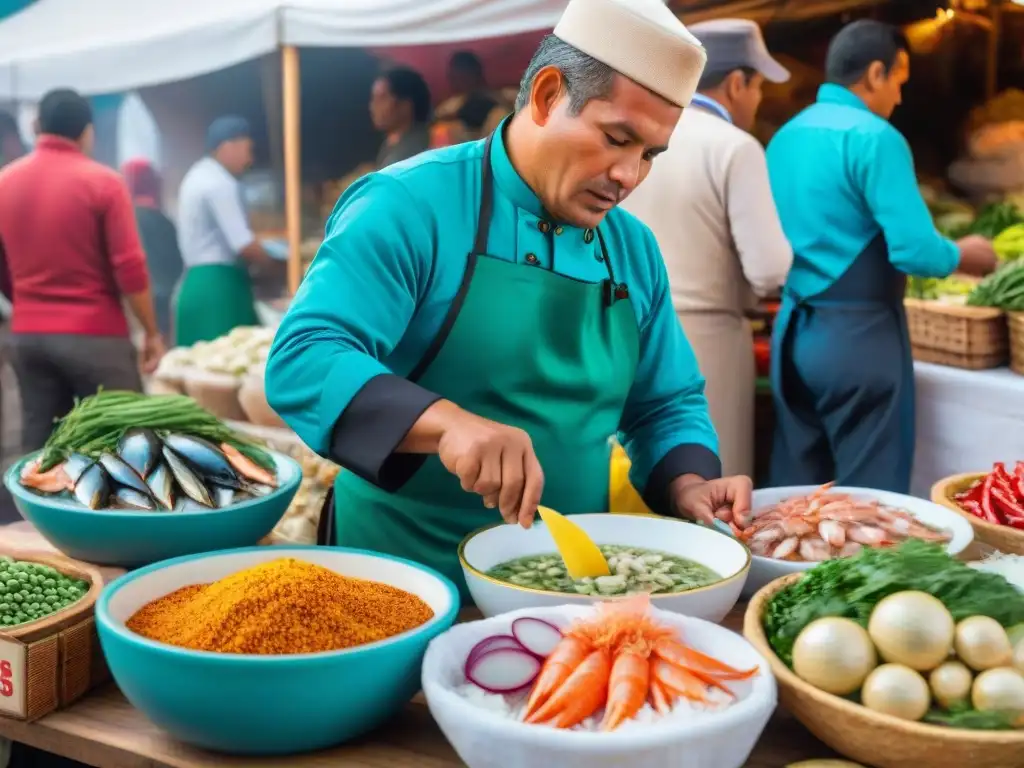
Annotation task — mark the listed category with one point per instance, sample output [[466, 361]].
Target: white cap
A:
[[641, 39], [735, 43]]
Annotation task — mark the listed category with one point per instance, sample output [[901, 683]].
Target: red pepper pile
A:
[[997, 498]]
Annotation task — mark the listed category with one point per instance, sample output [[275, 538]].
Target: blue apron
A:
[[843, 381]]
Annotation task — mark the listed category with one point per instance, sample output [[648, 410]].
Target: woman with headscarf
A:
[[159, 238]]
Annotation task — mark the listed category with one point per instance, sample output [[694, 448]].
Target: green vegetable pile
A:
[[30, 591], [991, 221], [1003, 289], [933, 288], [852, 587], [97, 423]]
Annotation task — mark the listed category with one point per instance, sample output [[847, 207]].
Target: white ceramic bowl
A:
[[766, 569], [487, 739], [488, 547]]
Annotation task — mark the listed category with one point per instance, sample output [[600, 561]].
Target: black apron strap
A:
[[326, 535], [483, 218]]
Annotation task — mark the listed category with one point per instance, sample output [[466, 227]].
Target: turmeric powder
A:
[[280, 607]]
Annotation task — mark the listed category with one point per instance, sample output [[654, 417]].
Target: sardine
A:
[[93, 487], [140, 450], [189, 482], [189, 505], [122, 474], [222, 496], [76, 464], [204, 458], [161, 485], [256, 489], [129, 498]]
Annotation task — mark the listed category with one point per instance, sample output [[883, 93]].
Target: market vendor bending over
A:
[[481, 318]]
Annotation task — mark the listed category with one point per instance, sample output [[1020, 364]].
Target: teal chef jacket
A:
[[378, 293]]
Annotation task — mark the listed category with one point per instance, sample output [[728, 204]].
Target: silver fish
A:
[[193, 487], [122, 474], [224, 497], [189, 505], [93, 487], [161, 485], [140, 450], [204, 458], [129, 498], [257, 489], [76, 464]]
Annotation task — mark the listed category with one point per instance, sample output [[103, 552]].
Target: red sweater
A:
[[68, 235]]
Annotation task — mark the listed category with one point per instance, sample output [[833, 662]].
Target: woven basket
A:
[[963, 337], [1016, 324], [1001, 537], [871, 737]]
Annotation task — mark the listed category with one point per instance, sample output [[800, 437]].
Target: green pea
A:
[[49, 583]]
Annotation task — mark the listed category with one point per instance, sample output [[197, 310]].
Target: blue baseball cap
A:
[[226, 128]]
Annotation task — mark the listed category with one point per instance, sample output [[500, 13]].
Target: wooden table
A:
[[105, 730]]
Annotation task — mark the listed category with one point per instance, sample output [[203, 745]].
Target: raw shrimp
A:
[[53, 480], [620, 660], [823, 525]]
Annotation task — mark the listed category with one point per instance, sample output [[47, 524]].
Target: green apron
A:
[[525, 347], [211, 300]]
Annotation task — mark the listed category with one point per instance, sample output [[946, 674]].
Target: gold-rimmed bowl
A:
[[482, 550]]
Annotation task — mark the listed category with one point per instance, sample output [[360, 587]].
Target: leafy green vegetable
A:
[[852, 587], [962, 716], [992, 220], [1003, 289]]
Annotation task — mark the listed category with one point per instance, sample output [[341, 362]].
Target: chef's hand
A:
[[493, 460], [977, 256], [728, 499]]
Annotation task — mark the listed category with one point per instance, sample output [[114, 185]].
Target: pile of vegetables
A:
[[991, 221], [953, 288], [998, 497], [235, 354], [30, 591], [96, 425], [1009, 244], [832, 626], [1003, 289]]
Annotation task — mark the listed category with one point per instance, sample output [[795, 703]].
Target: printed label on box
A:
[[13, 657]]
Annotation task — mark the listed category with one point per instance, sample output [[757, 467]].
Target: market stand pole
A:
[[291, 102]]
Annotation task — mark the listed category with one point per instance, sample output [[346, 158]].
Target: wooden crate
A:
[[52, 662], [1016, 324], [960, 336]]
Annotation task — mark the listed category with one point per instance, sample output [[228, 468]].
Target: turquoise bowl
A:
[[268, 705], [129, 539]]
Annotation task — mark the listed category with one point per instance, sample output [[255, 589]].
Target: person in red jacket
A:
[[72, 250]]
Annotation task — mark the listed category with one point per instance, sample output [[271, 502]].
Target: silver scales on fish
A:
[[176, 472]]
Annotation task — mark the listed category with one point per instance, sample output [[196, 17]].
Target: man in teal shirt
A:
[[844, 184], [480, 319]]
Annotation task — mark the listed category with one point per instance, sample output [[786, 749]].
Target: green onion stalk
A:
[[97, 423]]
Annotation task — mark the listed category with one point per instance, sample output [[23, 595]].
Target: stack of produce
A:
[[283, 606], [1003, 289], [225, 375], [953, 289], [908, 632], [620, 667], [998, 497], [30, 591], [124, 450]]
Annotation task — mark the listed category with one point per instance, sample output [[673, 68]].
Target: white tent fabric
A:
[[108, 46]]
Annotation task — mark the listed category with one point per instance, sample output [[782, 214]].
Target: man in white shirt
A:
[[215, 239], [709, 204]]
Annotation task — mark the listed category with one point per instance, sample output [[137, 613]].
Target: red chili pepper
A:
[[1005, 503], [987, 510], [971, 494], [974, 508], [1018, 473]]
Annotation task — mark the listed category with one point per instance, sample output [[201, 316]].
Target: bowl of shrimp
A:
[[794, 528], [619, 683]]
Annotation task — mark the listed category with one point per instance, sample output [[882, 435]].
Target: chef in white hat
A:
[[481, 318]]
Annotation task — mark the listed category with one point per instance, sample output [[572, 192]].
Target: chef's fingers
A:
[[488, 482], [512, 481], [467, 467], [533, 489], [741, 495]]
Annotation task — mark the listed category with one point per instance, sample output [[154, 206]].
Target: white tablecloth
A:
[[966, 420]]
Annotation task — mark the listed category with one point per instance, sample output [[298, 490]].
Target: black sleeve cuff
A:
[[369, 430], [685, 459]]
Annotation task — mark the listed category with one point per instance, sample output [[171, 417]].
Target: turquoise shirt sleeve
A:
[[666, 427], [886, 168], [325, 376]]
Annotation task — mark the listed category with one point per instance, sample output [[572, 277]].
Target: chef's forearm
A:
[[426, 433], [684, 464]]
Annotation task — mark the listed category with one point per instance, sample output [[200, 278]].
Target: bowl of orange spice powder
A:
[[272, 650]]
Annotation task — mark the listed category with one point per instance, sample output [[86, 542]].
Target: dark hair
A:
[[64, 112], [859, 45], [407, 84], [713, 79], [468, 62], [585, 77]]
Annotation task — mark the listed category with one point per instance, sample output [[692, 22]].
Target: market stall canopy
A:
[[764, 11], [108, 46]]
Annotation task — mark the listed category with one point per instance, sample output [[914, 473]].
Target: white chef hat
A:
[[641, 39]]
